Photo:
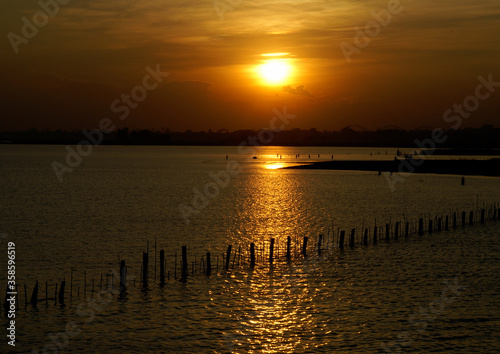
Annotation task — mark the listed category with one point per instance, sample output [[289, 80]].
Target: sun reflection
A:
[[275, 166], [277, 198], [279, 307], [274, 310]]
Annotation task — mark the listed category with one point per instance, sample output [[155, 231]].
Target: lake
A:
[[433, 293]]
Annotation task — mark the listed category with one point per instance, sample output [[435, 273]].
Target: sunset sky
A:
[[424, 60]]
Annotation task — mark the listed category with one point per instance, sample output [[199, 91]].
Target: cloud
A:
[[299, 90]]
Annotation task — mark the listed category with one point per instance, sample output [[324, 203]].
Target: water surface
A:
[[123, 198]]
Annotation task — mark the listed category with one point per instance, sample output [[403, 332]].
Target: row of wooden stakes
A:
[[269, 253]]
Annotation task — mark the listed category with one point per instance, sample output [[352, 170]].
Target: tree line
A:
[[485, 137]]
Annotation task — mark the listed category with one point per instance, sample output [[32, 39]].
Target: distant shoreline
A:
[[483, 138], [448, 151], [489, 167]]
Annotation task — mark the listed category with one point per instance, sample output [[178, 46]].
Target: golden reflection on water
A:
[[278, 319], [280, 310], [271, 205], [277, 310], [274, 166]]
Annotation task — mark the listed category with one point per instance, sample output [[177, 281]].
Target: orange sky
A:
[[421, 61]]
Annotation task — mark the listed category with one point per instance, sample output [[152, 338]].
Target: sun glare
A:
[[275, 166], [275, 71]]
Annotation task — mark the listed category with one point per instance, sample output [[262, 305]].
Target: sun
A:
[[275, 71]]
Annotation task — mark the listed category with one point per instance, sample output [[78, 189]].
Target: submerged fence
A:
[[270, 253]]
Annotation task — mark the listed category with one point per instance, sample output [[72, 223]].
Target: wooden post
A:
[[407, 229], [228, 256], [420, 226], [184, 270], [271, 251], [482, 216], [430, 226], [365, 239], [84, 283], [46, 293], [446, 223], [439, 224], [351, 241], [288, 247], [304, 247], [209, 264], [34, 295], [252, 255], [175, 265], [463, 218], [375, 234], [471, 218], [162, 267], [123, 276], [61, 292], [71, 284], [55, 294], [396, 230], [145, 267], [320, 239], [341, 239]]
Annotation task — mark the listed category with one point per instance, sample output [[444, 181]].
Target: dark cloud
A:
[[299, 90]]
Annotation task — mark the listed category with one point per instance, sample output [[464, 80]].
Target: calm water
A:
[[120, 198]]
